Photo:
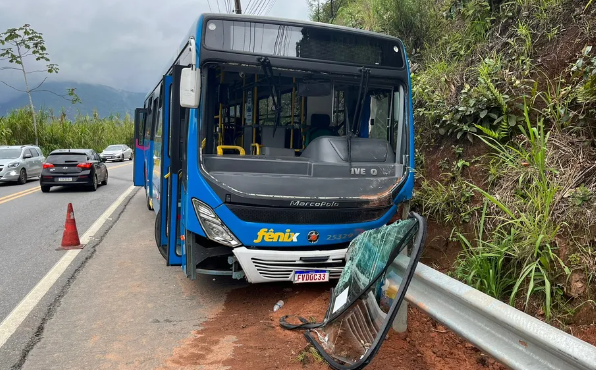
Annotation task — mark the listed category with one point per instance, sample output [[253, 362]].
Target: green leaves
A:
[[73, 95], [24, 42]]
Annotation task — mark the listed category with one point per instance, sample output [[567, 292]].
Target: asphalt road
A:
[[31, 226]]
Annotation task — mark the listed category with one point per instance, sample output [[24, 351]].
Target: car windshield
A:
[[10, 153], [114, 147], [67, 158]]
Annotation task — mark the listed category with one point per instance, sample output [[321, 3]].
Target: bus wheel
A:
[[162, 248]]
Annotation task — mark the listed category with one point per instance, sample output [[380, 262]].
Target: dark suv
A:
[[73, 167]]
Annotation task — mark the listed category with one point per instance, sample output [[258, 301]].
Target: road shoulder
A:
[[126, 309]]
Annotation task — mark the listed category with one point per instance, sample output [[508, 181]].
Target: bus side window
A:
[[148, 120], [158, 130], [154, 119], [141, 114]]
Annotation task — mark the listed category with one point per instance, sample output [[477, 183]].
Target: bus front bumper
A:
[[262, 266]]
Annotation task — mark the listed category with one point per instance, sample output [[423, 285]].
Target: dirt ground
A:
[[246, 335]]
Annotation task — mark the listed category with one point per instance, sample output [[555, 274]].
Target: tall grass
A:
[[58, 132], [521, 241]]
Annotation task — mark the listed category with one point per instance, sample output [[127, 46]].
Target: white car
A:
[[118, 152], [20, 163]]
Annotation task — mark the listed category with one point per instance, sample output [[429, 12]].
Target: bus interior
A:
[[263, 122]]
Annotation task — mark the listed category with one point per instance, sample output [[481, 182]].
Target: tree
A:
[[22, 43]]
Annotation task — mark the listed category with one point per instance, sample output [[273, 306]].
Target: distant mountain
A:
[[105, 99]]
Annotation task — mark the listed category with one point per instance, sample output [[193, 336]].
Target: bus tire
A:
[[162, 248]]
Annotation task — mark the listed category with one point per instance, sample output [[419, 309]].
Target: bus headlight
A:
[[214, 228]]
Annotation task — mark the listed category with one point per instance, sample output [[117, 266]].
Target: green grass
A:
[[57, 132], [520, 244], [309, 354], [487, 266], [446, 203]]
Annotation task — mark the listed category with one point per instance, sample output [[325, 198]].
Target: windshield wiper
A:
[[364, 75], [268, 70]]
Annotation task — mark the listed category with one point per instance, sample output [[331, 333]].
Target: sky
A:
[[124, 44]]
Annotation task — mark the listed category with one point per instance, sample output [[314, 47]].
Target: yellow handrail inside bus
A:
[[220, 149], [203, 143], [258, 146]]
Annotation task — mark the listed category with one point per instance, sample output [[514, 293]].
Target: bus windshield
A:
[[286, 124]]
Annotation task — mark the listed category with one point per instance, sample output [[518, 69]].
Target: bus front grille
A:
[[306, 216], [283, 270]]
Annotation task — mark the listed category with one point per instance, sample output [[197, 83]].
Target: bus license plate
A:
[[64, 178], [315, 276]]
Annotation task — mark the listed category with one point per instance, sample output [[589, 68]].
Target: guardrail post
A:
[[400, 323]]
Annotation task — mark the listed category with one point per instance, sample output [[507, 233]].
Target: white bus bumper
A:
[[262, 266]]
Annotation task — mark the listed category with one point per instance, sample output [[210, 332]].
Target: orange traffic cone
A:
[[70, 237]]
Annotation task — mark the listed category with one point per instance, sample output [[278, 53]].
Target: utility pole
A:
[[238, 7]]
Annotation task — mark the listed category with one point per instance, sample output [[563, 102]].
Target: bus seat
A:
[[319, 126]]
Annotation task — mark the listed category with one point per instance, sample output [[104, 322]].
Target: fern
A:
[[488, 132], [503, 128], [503, 121]]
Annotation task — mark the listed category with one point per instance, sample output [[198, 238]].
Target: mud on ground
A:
[[246, 335]]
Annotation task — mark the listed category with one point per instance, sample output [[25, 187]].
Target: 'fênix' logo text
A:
[[272, 236]]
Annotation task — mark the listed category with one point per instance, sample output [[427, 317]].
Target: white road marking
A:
[[11, 323]]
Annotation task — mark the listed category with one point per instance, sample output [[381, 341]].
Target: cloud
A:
[[123, 44]]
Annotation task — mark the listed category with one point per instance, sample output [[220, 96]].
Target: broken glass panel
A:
[[368, 294]]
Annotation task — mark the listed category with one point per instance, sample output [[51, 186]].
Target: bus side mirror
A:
[[189, 88]]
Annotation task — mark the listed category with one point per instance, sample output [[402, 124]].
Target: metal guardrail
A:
[[512, 337]]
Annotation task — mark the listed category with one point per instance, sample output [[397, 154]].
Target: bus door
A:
[[139, 145], [178, 188], [175, 243], [172, 256]]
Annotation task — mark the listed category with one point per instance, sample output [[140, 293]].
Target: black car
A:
[[73, 167]]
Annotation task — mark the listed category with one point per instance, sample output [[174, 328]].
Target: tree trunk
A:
[[29, 94]]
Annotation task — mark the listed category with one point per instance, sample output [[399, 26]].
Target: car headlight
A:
[[214, 228], [13, 165]]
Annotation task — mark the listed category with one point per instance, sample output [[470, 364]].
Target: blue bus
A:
[[269, 144]]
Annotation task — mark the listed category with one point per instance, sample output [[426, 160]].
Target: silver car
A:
[[20, 163], [118, 152]]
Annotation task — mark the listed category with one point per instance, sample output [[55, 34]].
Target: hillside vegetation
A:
[[58, 132], [505, 115]]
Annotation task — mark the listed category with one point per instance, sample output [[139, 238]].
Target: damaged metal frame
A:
[[417, 234]]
